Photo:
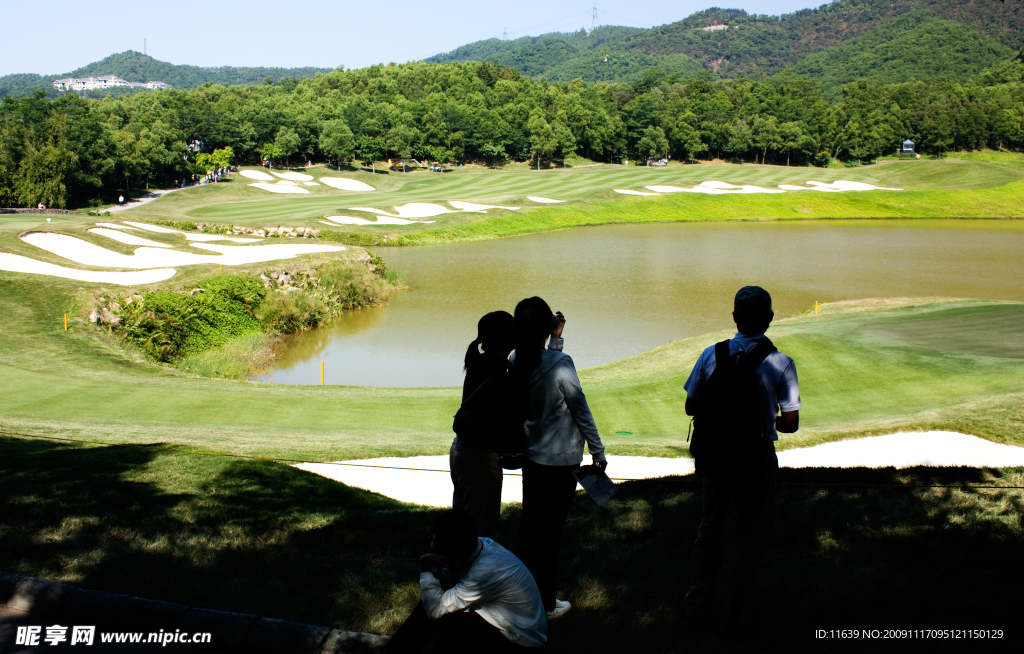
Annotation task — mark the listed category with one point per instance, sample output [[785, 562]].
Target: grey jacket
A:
[[558, 419]]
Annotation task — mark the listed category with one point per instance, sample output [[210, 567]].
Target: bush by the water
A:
[[169, 326]]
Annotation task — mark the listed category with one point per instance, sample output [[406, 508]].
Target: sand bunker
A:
[[127, 239], [275, 188], [713, 188], [149, 227], [295, 177], [85, 253], [625, 191], [534, 198], [187, 235], [116, 226], [472, 206], [432, 486], [411, 210], [838, 185], [285, 182], [19, 264], [381, 220], [257, 175], [345, 184]]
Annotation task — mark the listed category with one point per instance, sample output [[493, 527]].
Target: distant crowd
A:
[[523, 407]]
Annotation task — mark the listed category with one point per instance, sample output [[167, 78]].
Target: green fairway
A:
[[937, 189], [854, 379]]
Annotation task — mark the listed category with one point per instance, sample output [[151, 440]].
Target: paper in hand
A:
[[597, 484]]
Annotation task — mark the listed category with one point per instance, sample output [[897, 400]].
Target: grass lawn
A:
[[853, 549], [981, 186]]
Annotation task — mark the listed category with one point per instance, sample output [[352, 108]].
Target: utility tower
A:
[[504, 34], [143, 46], [593, 20]]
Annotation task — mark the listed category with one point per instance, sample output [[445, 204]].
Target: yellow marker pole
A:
[[220, 266], [321, 373], [815, 307], [65, 322]]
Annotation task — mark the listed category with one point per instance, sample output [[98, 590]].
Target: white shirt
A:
[[777, 383], [499, 588]]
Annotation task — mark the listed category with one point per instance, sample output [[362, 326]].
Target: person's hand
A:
[[601, 465], [430, 561], [557, 324]]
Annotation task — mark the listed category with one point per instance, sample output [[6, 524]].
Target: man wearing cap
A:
[[750, 487]]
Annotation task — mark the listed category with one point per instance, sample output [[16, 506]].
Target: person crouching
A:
[[475, 595]]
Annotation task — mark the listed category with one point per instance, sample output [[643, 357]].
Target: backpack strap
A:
[[722, 357]]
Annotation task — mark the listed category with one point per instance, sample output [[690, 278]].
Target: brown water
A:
[[625, 289]]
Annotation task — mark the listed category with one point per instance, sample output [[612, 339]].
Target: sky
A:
[[59, 36]]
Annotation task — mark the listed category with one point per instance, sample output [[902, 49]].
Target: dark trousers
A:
[[547, 496], [477, 475], [463, 632], [754, 498]]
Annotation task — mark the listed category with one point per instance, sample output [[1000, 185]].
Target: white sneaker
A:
[[561, 608]]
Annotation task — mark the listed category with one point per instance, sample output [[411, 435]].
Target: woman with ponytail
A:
[[558, 421], [477, 448]]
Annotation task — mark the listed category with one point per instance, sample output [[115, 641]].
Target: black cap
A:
[[752, 301]]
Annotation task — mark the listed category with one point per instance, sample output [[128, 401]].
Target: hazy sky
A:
[[58, 36]]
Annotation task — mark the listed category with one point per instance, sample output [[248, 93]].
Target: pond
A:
[[625, 289]]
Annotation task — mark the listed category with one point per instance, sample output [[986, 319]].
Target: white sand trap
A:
[[472, 206], [345, 184], [152, 228], [85, 253], [852, 186], [274, 188], [311, 183], [411, 210], [127, 239], [731, 188], [190, 236], [295, 177], [285, 182], [218, 237], [381, 220], [904, 450], [116, 226], [667, 189], [535, 198], [257, 175], [233, 255], [431, 485], [722, 185], [625, 191], [790, 187], [19, 264], [836, 187]]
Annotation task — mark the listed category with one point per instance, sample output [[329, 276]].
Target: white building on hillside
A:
[[104, 82]]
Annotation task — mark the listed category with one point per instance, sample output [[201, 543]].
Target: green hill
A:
[[137, 67], [883, 39], [914, 45]]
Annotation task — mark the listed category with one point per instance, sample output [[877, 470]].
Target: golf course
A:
[[127, 474]]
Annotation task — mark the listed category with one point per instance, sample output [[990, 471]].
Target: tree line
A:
[[74, 152]]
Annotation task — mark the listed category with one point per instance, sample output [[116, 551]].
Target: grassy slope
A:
[[263, 538], [945, 188]]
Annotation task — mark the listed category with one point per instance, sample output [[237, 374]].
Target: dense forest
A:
[[136, 67], [77, 152], [882, 41]]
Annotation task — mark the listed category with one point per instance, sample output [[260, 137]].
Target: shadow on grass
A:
[[259, 537]]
